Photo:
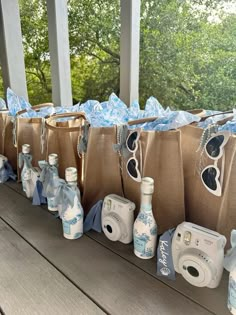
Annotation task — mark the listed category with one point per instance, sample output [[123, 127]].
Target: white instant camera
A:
[[198, 254], [118, 218]]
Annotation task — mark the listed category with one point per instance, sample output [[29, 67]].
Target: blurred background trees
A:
[[187, 51]]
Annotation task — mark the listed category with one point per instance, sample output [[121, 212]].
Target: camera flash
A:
[[187, 237]]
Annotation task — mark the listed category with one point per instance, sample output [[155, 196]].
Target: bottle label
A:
[[52, 203], [74, 226], [139, 245], [66, 227], [232, 293]]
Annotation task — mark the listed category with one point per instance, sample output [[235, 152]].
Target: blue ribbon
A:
[[82, 145], [6, 172], [65, 195], [38, 198], [25, 159], [165, 266], [47, 178], [93, 218]]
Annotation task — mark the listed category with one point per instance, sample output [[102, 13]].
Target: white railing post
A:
[[129, 50], [11, 48], [59, 52]]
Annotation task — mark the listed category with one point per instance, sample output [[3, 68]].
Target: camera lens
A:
[[193, 271], [109, 228]]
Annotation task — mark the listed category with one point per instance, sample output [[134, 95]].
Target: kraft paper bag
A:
[[63, 138], [160, 157], [203, 207], [7, 146], [31, 131], [102, 172]]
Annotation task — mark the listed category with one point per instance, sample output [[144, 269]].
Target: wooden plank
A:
[[111, 281], [31, 285], [214, 300], [129, 50], [59, 52], [11, 48]]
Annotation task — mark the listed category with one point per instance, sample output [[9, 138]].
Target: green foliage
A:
[[187, 59], [190, 61]]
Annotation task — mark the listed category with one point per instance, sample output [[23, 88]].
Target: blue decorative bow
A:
[[6, 172], [26, 159], [47, 178], [65, 195], [38, 198]]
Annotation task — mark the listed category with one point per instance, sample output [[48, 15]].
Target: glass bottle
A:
[[53, 169], [72, 218], [25, 159], [145, 227], [232, 291]]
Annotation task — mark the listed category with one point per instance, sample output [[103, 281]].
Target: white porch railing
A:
[[12, 57]]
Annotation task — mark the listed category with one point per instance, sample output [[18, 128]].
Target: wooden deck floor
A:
[[43, 273]]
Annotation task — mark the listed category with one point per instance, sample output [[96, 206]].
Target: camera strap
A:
[[165, 265]]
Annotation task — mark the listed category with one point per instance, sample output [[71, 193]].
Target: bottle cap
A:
[[147, 185], [3, 158], [26, 148], [53, 159], [71, 174]]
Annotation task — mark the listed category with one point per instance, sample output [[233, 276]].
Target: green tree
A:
[[186, 59]]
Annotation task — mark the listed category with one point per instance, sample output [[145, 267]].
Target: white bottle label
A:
[[52, 204], [139, 245], [73, 228], [72, 221]]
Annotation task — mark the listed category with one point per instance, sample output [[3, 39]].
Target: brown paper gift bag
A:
[[30, 131], [203, 207], [7, 147], [102, 172], [160, 157], [62, 138]]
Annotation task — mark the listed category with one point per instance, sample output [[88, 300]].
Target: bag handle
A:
[[197, 112], [76, 115], [141, 121], [150, 119], [36, 108], [217, 114]]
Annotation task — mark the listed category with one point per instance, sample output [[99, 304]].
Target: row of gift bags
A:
[[169, 157]]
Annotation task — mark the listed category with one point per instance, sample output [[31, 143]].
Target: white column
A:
[[129, 50], [11, 48], [59, 52]]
